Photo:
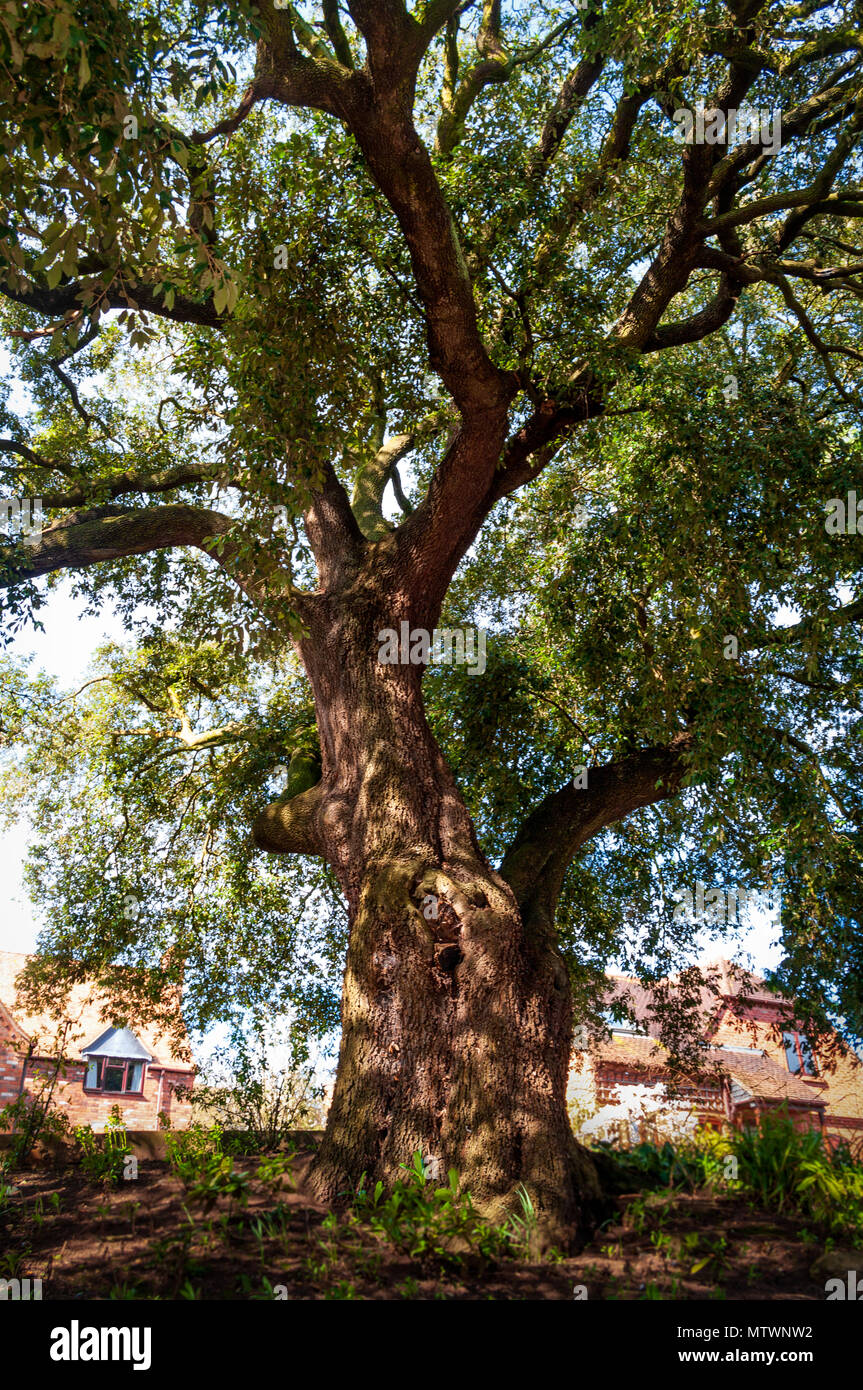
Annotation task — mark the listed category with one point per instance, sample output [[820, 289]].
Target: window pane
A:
[[133, 1078], [790, 1041], [809, 1067], [93, 1079], [114, 1073]]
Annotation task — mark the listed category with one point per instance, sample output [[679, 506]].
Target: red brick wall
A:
[[10, 1073], [81, 1107]]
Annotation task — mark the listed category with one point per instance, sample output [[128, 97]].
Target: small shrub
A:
[[254, 1099], [103, 1161], [433, 1225], [190, 1150], [275, 1170], [783, 1169], [30, 1120], [217, 1179], [786, 1169]]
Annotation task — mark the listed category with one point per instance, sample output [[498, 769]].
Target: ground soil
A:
[[136, 1241]]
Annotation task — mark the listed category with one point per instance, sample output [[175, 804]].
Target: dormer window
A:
[[798, 1053], [116, 1063], [628, 1028], [114, 1076]]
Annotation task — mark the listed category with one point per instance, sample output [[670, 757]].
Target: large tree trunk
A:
[[456, 1020]]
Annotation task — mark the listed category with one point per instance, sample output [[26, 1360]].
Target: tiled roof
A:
[[735, 982], [758, 1075], [87, 1013], [628, 1050], [731, 987], [765, 1079]]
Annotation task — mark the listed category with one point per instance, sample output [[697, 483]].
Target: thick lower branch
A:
[[110, 533], [107, 533], [566, 819], [293, 826]]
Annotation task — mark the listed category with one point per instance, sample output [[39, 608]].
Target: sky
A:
[[64, 650]]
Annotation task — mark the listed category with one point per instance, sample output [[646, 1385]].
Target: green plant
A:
[[115, 1131], [218, 1179], [275, 1170], [259, 1102], [260, 1232], [522, 1229], [101, 1162], [122, 1290], [31, 1119], [689, 1242], [191, 1150], [437, 1226], [688, 1166], [786, 1169], [343, 1289], [647, 1211], [265, 1293], [775, 1165], [12, 1261]]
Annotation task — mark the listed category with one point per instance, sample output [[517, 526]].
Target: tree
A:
[[259, 1087], [471, 237]]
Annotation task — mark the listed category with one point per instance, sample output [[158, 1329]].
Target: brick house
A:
[[755, 1060], [100, 1065]]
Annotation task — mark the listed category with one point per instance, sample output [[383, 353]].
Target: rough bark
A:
[[456, 1012]]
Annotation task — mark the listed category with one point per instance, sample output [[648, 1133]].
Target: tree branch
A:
[[798, 632], [371, 478], [100, 534], [292, 826], [565, 820]]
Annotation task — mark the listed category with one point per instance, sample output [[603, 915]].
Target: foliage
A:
[[30, 1119], [217, 1178], [104, 1161], [245, 1088], [649, 1166], [772, 1163], [191, 1150], [436, 1225], [161, 350], [197, 1156], [787, 1169]]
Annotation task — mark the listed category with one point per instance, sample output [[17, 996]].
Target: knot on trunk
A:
[[450, 908]]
